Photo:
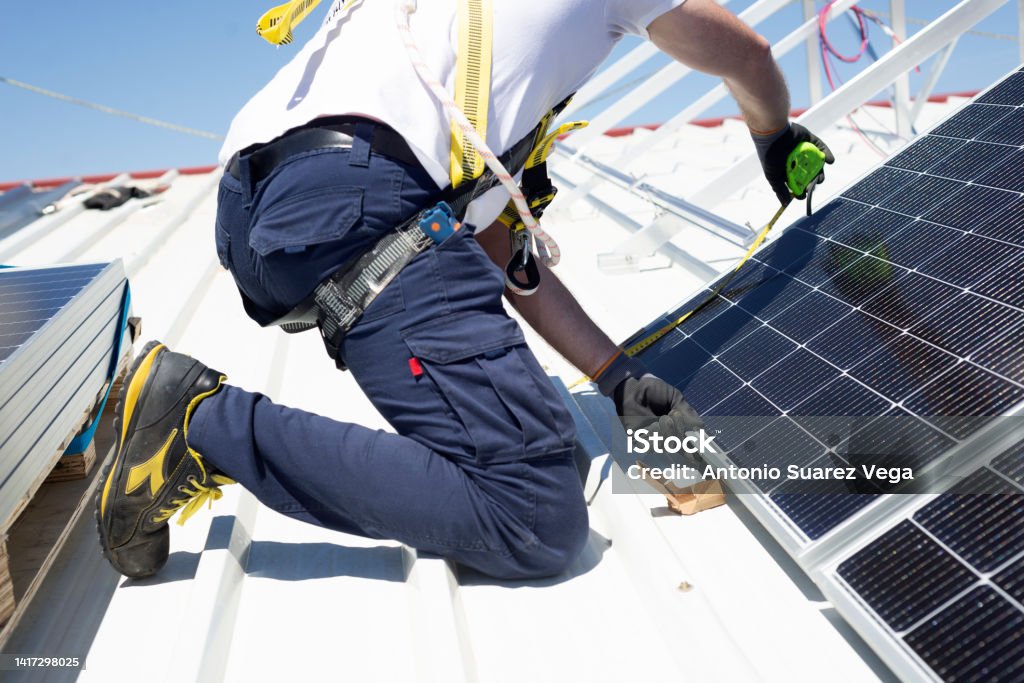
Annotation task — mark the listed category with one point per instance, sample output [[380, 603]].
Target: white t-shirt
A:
[[357, 64]]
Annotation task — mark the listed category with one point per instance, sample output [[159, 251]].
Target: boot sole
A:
[[107, 471]]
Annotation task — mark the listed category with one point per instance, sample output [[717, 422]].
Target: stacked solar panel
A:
[[58, 328]]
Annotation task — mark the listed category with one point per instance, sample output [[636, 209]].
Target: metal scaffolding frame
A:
[[939, 37]]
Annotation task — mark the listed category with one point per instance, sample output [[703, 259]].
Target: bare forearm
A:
[[553, 311], [712, 40]]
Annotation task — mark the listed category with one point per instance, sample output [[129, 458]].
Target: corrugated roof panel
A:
[[249, 594]]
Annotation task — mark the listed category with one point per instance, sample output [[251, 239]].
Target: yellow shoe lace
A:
[[197, 495]]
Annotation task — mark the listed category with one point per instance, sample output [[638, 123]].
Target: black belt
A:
[[323, 133]]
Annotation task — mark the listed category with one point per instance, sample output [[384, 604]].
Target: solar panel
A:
[[58, 331], [908, 289], [888, 329], [30, 298]]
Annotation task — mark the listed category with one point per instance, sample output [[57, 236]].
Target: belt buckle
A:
[[438, 222]]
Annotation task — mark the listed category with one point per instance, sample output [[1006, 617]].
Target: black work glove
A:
[[643, 400], [773, 151]]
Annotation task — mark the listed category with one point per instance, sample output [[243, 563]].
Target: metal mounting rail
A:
[[691, 213]]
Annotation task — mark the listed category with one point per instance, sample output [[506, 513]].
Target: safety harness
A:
[[338, 301]]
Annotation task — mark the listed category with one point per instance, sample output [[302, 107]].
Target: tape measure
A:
[[803, 168]]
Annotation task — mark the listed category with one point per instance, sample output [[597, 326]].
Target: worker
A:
[[325, 168]]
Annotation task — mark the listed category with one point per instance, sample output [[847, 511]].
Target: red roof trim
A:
[[137, 175], [613, 133], [715, 122]]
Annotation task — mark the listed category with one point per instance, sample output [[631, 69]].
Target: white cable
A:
[[404, 8]]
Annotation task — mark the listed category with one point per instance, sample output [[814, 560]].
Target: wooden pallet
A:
[[35, 534]]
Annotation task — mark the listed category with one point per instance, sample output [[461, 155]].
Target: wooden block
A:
[[688, 500], [6, 586], [74, 465]]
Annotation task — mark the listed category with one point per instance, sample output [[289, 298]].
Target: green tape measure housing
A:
[[803, 166]]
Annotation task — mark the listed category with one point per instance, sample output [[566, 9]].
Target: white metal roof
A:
[[251, 595]]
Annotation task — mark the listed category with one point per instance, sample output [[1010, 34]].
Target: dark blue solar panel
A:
[[887, 327], [30, 298]]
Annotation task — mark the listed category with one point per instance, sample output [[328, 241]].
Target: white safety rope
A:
[[405, 8]]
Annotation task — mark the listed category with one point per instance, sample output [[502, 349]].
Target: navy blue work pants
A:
[[480, 469]]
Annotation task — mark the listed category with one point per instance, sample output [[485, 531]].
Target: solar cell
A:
[[789, 381], [902, 365], [925, 153], [851, 338], [817, 507], [973, 160], [780, 444], [814, 313], [1003, 355], [879, 185], [964, 210], [1008, 131], [976, 638], [756, 352], [1008, 175], [904, 575], [1011, 463], [967, 322], [709, 385], [971, 121], [966, 390], [1011, 580], [1006, 225], [917, 197], [981, 520], [1009, 92], [773, 296]]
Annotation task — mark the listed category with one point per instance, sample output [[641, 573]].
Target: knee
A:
[[560, 534]]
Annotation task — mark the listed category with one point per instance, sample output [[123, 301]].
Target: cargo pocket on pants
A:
[[482, 368]]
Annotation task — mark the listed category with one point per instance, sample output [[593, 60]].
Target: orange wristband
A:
[[604, 366]]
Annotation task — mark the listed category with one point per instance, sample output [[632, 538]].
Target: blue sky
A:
[[195, 63]]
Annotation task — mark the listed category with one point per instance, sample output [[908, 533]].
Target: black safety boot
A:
[[155, 472]]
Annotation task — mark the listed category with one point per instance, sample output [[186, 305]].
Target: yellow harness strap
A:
[[538, 155], [275, 26], [472, 85]]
